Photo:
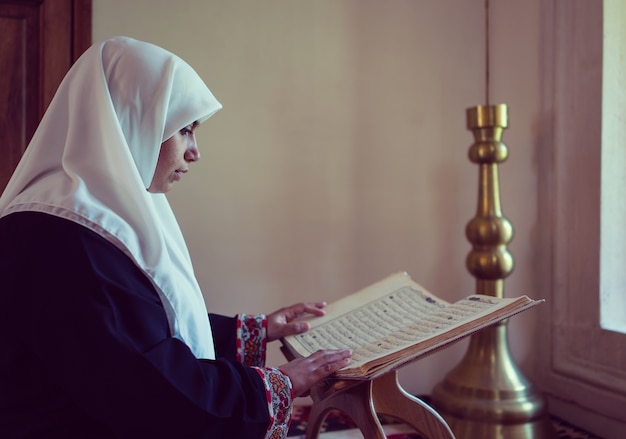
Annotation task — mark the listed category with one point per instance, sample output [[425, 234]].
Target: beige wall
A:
[[341, 153]]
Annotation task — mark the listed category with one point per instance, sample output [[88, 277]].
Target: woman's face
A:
[[175, 155]]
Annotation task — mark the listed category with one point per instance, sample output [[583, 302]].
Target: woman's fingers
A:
[[328, 361], [281, 323], [306, 372]]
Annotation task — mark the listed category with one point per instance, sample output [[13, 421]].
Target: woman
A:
[[105, 332]]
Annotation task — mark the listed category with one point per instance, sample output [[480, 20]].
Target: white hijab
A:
[[95, 153]]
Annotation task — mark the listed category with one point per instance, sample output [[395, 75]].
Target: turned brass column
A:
[[486, 395]]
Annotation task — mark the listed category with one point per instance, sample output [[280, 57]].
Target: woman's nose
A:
[[192, 154]]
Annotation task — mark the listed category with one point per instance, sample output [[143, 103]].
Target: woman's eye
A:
[[189, 129]]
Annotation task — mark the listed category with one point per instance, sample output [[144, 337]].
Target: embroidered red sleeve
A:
[[279, 401], [251, 339]]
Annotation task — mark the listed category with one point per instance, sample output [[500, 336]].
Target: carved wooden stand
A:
[[364, 400]]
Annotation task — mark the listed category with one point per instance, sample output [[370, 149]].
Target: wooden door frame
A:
[[42, 39]]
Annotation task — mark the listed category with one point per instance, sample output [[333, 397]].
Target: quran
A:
[[396, 321]]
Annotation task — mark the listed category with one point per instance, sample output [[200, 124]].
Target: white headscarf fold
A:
[[94, 155]]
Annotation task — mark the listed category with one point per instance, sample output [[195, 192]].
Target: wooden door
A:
[[39, 41]]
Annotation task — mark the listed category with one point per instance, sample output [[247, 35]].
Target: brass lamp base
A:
[[486, 396]]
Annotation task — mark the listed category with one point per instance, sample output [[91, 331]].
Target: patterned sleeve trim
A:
[[251, 339], [279, 394]]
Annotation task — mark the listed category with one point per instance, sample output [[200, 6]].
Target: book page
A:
[[437, 322], [390, 323], [369, 294], [488, 310], [364, 325]]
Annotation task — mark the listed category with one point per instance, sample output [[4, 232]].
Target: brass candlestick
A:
[[486, 395]]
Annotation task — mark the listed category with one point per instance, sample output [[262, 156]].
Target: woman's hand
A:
[[280, 323], [306, 372]]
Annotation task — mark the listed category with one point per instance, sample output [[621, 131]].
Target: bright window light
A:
[[613, 201]]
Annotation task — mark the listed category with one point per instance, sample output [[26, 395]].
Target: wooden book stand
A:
[[364, 400]]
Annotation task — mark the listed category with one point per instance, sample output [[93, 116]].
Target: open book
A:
[[396, 321]]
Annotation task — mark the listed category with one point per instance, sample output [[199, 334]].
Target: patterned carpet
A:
[[338, 426]]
